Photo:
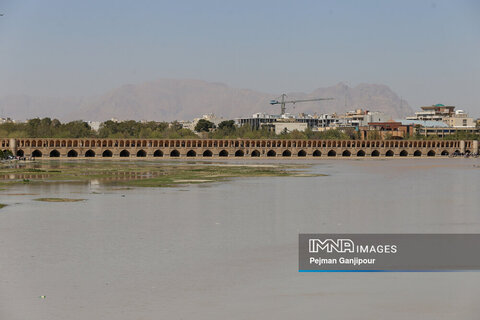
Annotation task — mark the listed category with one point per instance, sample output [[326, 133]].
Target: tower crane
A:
[[283, 102]]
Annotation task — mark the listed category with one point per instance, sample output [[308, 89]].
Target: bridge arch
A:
[[332, 153], [317, 153], [72, 154], [207, 153], [271, 153], [158, 153], [389, 153], [191, 153], [223, 153], [54, 153], [431, 153], [37, 154], [286, 153], [141, 153], [361, 153], [107, 154], [417, 153], [239, 153], [255, 153], [403, 153], [375, 153], [346, 153], [20, 153], [174, 153], [124, 154], [444, 153], [90, 153], [302, 153]]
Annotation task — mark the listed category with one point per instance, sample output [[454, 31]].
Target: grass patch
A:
[[58, 200], [135, 174]]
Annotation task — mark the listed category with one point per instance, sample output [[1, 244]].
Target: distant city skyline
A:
[[426, 51]]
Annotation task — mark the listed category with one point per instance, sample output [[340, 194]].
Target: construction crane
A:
[[283, 102]]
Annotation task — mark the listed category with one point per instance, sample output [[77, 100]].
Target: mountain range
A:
[[185, 99]]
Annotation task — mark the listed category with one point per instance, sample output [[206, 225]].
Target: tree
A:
[[227, 125], [5, 154], [374, 135], [204, 125]]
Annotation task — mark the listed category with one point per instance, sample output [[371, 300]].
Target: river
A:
[[228, 250]]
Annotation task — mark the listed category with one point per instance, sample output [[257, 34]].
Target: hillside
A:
[[180, 99]]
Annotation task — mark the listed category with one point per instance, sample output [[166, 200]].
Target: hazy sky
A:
[[426, 51]]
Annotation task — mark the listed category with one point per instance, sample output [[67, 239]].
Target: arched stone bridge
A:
[[232, 148]]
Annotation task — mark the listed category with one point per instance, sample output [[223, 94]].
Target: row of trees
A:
[[151, 129], [48, 128]]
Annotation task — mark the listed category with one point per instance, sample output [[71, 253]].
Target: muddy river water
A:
[[228, 250]]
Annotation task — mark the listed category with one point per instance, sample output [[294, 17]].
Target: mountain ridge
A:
[[184, 99]]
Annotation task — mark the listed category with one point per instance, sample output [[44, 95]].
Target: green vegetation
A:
[[146, 174], [151, 129], [58, 200], [2, 205], [204, 125], [48, 128], [5, 154]]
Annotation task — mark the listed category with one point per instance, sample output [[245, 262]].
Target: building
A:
[[441, 120], [286, 127], [361, 117], [95, 125], [209, 117], [460, 119], [442, 132], [437, 128], [258, 120], [386, 130], [6, 120], [435, 112]]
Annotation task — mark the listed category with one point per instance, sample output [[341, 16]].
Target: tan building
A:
[[460, 119]]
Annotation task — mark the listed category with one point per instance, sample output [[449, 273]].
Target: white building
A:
[[6, 120], [281, 127], [446, 114], [361, 117], [209, 117], [95, 125]]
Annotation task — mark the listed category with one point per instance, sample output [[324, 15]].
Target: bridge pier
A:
[[13, 146]]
